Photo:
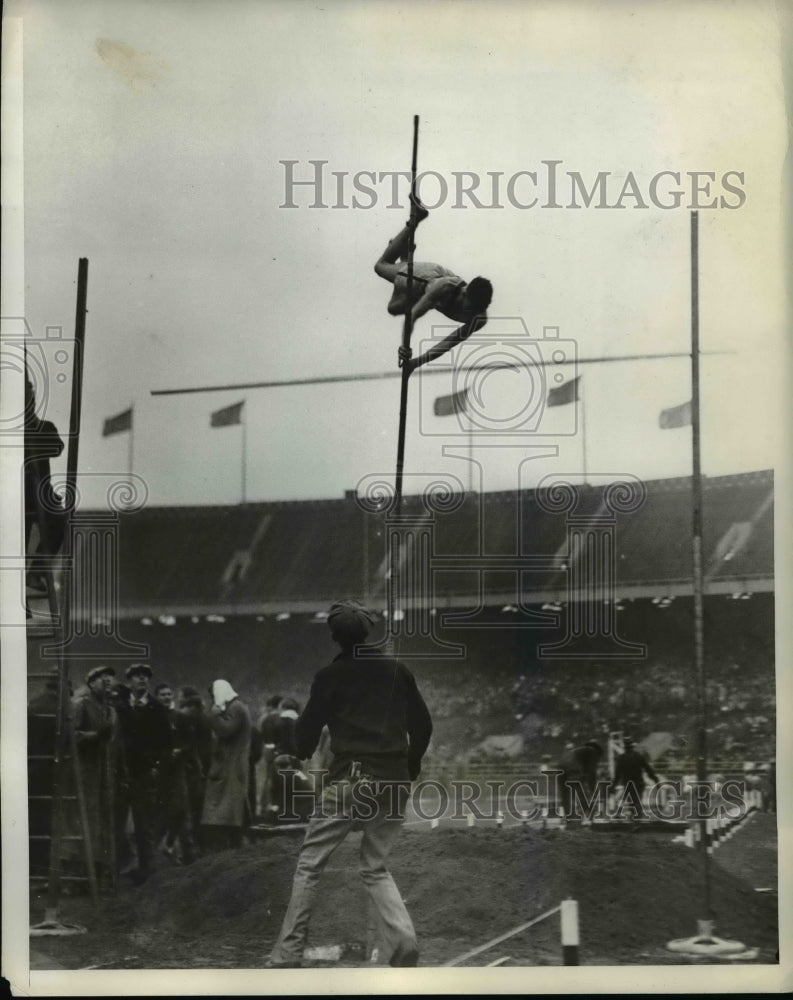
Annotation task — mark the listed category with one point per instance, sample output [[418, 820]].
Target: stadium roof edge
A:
[[656, 485], [310, 606]]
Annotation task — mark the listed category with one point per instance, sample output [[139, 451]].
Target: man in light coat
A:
[[226, 808]]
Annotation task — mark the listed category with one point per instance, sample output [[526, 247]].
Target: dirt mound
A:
[[635, 891], [462, 887]]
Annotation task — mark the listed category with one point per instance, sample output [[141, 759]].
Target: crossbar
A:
[[425, 370]]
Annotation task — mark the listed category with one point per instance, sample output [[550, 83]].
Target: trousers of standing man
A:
[[144, 802], [377, 809]]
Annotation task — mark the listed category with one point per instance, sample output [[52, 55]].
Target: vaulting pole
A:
[[407, 330]]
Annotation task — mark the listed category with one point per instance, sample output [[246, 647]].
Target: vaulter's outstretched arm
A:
[[425, 303], [457, 336], [437, 289]]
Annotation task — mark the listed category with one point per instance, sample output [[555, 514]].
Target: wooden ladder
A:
[[55, 779]]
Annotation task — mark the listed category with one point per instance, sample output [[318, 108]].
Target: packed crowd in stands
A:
[[564, 703], [654, 697], [165, 774]]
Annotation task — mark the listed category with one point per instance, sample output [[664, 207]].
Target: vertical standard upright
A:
[[705, 942], [696, 534], [65, 746]]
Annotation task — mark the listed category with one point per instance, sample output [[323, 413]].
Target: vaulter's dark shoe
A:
[[421, 211]]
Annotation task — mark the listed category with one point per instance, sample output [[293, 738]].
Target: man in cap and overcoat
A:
[[96, 738]]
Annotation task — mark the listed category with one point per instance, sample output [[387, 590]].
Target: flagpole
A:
[[244, 455], [131, 439], [696, 525], [583, 432], [470, 456]]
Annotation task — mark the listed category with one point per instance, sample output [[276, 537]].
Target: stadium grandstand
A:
[[268, 558], [239, 591]]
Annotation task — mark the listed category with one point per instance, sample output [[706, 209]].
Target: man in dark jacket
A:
[[579, 767], [196, 739], [268, 725], [147, 741], [43, 506], [184, 785], [379, 730], [629, 772], [289, 784]]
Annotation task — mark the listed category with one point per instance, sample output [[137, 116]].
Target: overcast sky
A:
[[153, 135]]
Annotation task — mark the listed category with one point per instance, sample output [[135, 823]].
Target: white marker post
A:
[[569, 919]]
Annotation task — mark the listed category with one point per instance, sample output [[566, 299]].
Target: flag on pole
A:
[[446, 406], [675, 416], [228, 416], [564, 394], [115, 425]]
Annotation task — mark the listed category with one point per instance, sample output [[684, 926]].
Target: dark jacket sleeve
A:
[[164, 737], [419, 726], [42, 440], [83, 730], [285, 738], [309, 726], [257, 746], [269, 729], [204, 741], [648, 770]]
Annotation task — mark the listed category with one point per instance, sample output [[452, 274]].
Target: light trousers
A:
[[337, 815]]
